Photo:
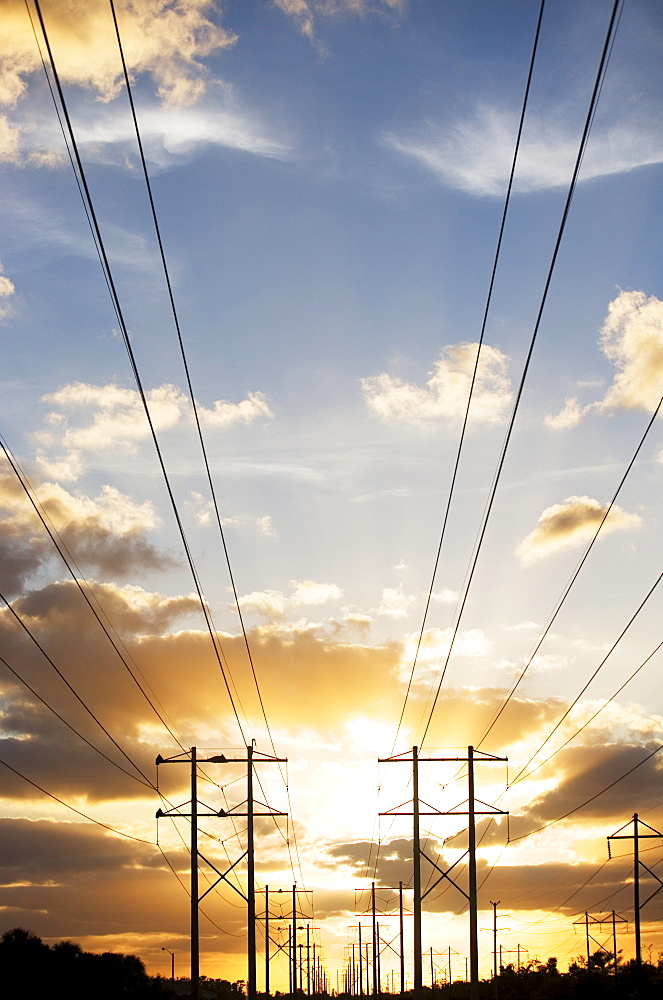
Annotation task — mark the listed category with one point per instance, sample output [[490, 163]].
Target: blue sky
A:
[[329, 179]]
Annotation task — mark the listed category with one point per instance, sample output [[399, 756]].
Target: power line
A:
[[596, 672], [576, 573], [48, 659], [474, 371], [582, 805], [71, 566], [522, 777], [498, 472], [61, 802], [225, 672], [73, 728], [185, 363], [194, 405]]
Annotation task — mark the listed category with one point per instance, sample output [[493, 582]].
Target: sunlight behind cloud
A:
[[567, 525]]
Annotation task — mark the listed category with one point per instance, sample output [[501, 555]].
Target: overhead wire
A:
[[91, 819], [73, 729], [547, 284], [522, 777], [17, 618], [213, 635], [593, 676], [86, 592], [194, 407], [565, 593], [461, 440]]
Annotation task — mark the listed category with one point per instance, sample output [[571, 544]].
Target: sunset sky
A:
[[329, 179]]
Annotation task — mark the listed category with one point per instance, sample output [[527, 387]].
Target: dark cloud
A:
[[587, 770]]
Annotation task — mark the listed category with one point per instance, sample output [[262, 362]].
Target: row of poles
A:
[[316, 977]]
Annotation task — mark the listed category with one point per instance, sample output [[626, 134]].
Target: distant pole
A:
[[195, 941], [375, 943], [416, 859], [172, 963], [400, 927], [267, 941], [361, 967], [474, 909], [495, 905], [308, 959], [589, 957], [293, 938]]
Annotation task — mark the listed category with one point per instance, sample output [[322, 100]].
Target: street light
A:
[[172, 963]]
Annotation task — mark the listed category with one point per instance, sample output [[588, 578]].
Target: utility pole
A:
[[417, 853], [193, 761], [494, 905], [636, 837], [249, 854], [293, 940]]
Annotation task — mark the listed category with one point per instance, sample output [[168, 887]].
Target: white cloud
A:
[[168, 134], [167, 40], [632, 340], [6, 291], [569, 416], [112, 415], [304, 12], [395, 603], [445, 394], [475, 154], [567, 525], [305, 593]]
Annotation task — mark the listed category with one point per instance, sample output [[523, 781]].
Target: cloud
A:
[[113, 415], [569, 416], [446, 392], [106, 134], [104, 533], [632, 340], [166, 40], [304, 12], [273, 604], [475, 154], [569, 524], [6, 291]]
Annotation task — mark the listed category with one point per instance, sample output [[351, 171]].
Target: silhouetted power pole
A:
[[636, 837], [249, 853], [472, 812]]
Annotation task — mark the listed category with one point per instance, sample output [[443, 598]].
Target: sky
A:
[[329, 179]]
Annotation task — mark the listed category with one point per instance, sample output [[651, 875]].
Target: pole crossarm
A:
[[656, 891], [444, 874], [223, 876], [246, 808], [636, 837]]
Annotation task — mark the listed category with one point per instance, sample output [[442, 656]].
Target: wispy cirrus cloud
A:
[[445, 394], [474, 154], [567, 525]]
